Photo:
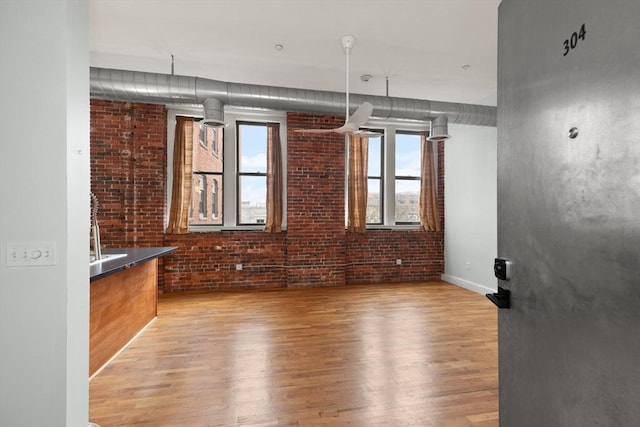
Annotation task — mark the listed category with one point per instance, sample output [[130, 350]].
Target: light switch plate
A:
[[31, 254]]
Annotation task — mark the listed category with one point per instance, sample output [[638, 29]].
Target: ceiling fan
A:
[[362, 113]]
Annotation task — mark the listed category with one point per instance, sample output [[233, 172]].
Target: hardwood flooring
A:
[[379, 355]]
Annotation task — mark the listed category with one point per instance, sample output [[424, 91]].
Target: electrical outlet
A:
[[238, 267], [398, 261], [31, 254]]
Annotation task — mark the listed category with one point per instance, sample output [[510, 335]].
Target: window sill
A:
[[407, 227], [218, 228]]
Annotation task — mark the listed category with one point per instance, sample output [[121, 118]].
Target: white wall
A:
[[44, 186], [470, 238]]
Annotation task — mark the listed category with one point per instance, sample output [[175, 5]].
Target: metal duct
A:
[[439, 130], [136, 86], [213, 112]]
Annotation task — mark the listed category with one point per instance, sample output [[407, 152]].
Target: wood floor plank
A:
[[379, 355]]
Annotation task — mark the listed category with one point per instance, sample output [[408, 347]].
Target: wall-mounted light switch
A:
[[31, 254]]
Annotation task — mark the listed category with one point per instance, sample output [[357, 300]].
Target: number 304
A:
[[571, 43]]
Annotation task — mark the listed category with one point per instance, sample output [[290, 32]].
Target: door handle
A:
[[502, 298]]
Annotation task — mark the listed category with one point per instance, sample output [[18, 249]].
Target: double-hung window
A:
[[407, 177], [252, 172], [229, 167], [375, 190], [207, 172], [394, 174]]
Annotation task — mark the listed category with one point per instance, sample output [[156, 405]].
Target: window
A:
[[201, 190], [215, 145], [252, 172], [394, 168], [229, 168], [214, 200], [207, 176], [374, 181], [407, 176]]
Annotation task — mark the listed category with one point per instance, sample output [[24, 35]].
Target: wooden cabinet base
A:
[[121, 304]]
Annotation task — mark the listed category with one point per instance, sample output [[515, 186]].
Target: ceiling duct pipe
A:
[[136, 86], [439, 129], [213, 113]]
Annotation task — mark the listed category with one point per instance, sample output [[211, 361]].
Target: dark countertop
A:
[[134, 257]]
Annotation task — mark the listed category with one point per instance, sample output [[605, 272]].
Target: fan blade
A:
[[352, 126], [360, 116]]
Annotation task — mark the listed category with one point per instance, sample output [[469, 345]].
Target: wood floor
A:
[[381, 355]]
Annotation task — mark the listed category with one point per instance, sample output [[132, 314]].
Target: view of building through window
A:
[[206, 196], [246, 169]]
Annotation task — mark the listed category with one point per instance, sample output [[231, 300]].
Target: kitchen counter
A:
[[123, 300], [134, 257]]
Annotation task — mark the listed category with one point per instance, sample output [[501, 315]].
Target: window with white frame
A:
[[252, 172], [407, 177], [394, 173], [230, 167], [207, 172], [375, 190]]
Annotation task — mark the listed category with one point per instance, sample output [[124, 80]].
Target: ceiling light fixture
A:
[[279, 47]]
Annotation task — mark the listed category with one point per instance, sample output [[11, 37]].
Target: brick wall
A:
[[315, 202], [208, 261], [128, 165], [371, 256], [128, 171]]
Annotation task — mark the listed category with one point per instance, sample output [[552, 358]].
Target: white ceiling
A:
[[421, 45]]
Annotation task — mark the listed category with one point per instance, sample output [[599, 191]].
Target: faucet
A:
[[95, 229]]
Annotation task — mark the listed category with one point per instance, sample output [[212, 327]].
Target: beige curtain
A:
[[182, 176], [273, 223], [429, 215], [357, 184]]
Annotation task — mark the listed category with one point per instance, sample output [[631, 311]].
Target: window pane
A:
[[374, 201], [202, 197], [202, 131], [252, 148], [216, 200], [408, 154], [206, 193], [206, 197], [213, 134], [252, 199], [407, 200], [375, 159]]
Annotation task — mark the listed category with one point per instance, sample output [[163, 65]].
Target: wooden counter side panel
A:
[[121, 305]]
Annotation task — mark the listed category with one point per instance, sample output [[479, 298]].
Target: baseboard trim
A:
[[474, 287]]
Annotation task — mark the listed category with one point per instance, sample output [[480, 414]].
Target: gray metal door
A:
[[569, 212]]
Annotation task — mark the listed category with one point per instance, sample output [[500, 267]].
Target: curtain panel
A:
[[182, 176], [273, 223], [357, 184], [429, 215]]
